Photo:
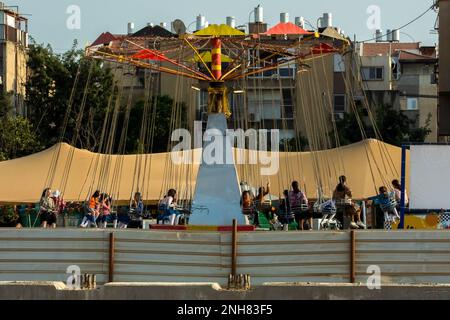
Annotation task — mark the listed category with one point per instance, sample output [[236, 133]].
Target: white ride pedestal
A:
[[217, 193]]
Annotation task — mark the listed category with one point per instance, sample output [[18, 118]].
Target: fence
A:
[[168, 256]]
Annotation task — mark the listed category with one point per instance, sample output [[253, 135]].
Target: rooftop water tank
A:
[[259, 14], [327, 20], [130, 28], [201, 22], [231, 22], [284, 17]]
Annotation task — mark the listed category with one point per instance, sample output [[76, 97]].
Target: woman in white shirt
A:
[[398, 193], [169, 203]]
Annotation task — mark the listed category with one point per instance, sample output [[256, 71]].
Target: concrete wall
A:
[[379, 61], [212, 291]]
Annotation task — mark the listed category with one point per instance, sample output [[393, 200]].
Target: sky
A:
[[48, 18]]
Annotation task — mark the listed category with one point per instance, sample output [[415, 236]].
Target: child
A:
[[93, 211], [387, 203]]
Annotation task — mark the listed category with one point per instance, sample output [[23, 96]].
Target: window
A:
[[339, 64], [288, 104], [412, 104], [339, 103], [373, 73]]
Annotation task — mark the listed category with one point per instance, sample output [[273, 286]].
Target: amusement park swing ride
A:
[[222, 58], [216, 201]]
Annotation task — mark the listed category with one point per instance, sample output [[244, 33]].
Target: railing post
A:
[[352, 256], [234, 248], [112, 249]]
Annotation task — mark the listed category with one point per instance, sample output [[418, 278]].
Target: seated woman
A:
[[342, 196], [168, 205], [60, 205], [10, 218], [299, 206], [47, 209], [388, 204], [136, 212], [105, 211]]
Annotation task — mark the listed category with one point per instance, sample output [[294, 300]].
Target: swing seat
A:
[[264, 223], [326, 208], [164, 215], [285, 218], [389, 206]]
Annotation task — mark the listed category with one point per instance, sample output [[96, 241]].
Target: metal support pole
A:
[[403, 183], [216, 54], [112, 249]]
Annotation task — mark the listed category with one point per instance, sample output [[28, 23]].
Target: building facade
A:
[[444, 66], [13, 55], [403, 75]]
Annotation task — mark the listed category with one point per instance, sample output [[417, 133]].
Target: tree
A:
[[49, 88], [17, 138], [161, 110], [395, 127]]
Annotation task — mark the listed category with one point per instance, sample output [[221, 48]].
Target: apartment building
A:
[[402, 75], [13, 55]]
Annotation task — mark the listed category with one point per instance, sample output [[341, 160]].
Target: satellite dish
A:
[[179, 27]]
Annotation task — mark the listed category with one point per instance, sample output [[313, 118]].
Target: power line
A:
[[404, 26]]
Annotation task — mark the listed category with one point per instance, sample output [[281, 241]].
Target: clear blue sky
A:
[[48, 17]]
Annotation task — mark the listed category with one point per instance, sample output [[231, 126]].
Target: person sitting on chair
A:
[[259, 199], [261, 205], [342, 196], [47, 208], [387, 203], [168, 204], [105, 211], [60, 205], [92, 211], [299, 206], [136, 211], [248, 208]]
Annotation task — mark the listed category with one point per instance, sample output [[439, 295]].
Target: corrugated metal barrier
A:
[[168, 256]]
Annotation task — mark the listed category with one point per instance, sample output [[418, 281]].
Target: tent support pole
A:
[[403, 191]]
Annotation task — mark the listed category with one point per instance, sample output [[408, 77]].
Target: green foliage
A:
[[5, 104], [294, 145], [49, 89], [161, 116], [17, 138], [395, 127]]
